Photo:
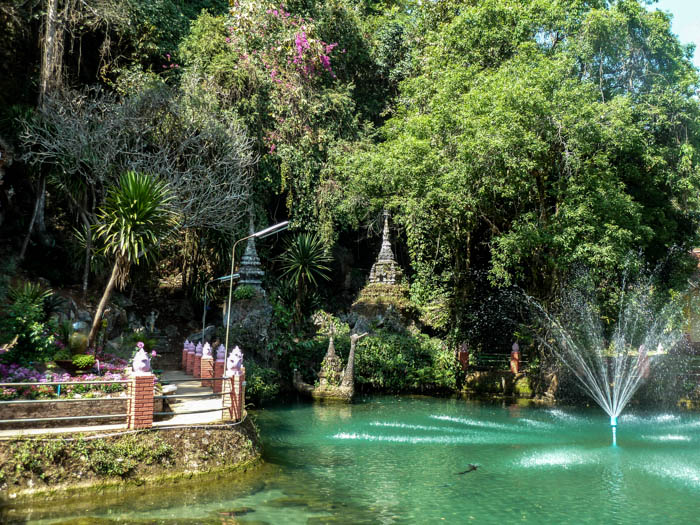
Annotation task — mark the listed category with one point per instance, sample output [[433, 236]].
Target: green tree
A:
[[532, 137], [135, 216], [304, 263]]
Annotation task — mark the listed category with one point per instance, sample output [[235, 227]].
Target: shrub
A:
[[243, 292], [84, 361], [398, 363], [27, 321], [62, 355], [262, 384]]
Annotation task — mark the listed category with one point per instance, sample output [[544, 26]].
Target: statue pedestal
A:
[[197, 366], [190, 362], [234, 397], [140, 401], [219, 365]]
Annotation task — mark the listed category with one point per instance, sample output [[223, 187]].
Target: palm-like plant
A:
[[135, 216], [304, 262]]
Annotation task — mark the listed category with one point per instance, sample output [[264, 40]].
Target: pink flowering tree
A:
[[276, 70]]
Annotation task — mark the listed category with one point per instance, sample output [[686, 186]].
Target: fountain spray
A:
[[611, 365]]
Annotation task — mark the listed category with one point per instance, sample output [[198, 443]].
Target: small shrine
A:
[[251, 316], [385, 270], [251, 270], [331, 368], [384, 299]]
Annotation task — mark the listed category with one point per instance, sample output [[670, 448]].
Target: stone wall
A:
[[497, 382], [75, 466], [82, 407]]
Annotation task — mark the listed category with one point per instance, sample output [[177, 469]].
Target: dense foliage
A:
[[512, 140], [534, 138]]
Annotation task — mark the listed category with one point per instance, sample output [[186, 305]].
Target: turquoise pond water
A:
[[396, 460]]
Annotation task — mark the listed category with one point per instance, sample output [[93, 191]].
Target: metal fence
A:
[[59, 384]]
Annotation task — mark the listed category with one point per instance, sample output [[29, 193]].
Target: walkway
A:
[[175, 405], [190, 404]]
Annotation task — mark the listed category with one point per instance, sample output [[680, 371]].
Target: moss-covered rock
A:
[[522, 386], [66, 463]]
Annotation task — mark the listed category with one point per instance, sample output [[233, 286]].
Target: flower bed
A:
[[14, 373]]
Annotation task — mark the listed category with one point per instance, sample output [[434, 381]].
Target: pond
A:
[[409, 460]]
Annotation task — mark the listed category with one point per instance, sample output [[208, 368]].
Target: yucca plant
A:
[[135, 216], [304, 263]]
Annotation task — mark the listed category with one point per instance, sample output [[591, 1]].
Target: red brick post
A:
[[140, 401], [190, 362], [219, 366], [185, 349], [234, 397], [207, 370], [197, 366]]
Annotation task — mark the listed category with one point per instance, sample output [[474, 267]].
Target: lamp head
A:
[[272, 229]]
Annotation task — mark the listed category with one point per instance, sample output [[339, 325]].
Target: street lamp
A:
[[257, 235], [204, 314]]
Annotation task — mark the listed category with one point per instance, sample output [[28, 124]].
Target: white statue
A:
[[141, 363], [234, 363]]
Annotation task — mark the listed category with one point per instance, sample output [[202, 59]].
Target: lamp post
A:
[[257, 235], [204, 314]]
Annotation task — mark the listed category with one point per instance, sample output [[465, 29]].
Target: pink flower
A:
[[140, 345], [153, 353]]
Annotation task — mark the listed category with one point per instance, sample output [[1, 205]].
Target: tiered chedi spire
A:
[[385, 270], [251, 270]]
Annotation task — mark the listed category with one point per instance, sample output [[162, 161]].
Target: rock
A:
[[209, 334], [171, 330], [490, 382], [83, 315], [122, 300], [117, 320], [250, 322], [522, 386]]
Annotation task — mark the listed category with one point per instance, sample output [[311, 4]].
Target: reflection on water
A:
[[403, 460]]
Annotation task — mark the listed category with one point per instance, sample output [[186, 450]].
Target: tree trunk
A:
[[97, 320], [52, 56], [88, 253], [42, 186], [40, 224]]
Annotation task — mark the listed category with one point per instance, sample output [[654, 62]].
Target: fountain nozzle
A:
[[613, 424]]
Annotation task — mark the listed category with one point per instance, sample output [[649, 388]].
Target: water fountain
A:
[[611, 365]]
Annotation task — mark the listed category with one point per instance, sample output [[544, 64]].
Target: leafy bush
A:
[[62, 355], [118, 457], [398, 363], [27, 321], [122, 457], [84, 361], [262, 384], [243, 292]]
